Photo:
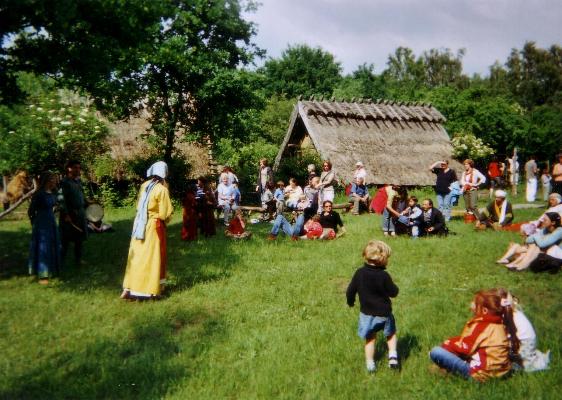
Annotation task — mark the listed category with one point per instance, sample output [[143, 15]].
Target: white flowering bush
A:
[[466, 145], [52, 128]]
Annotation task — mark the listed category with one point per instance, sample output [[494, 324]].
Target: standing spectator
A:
[[557, 175], [73, 224], [359, 196], [389, 211], [206, 204], [146, 264], [531, 177], [545, 183], [494, 173], [189, 214], [44, 250], [265, 176], [445, 177], [279, 196], [513, 172], [471, 179], [326, 185]]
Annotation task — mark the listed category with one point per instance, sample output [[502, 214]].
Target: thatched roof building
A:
[[396, 141]]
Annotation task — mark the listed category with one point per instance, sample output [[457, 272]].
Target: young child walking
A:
[[481, 351], [375, 288]]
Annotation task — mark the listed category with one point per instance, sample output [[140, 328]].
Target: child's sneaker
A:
[[371, 367], [393, 363]]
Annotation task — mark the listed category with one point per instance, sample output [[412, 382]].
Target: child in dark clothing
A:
[[375, 287]]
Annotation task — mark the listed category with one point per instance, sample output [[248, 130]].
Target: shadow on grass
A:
[[105, 257], [407, 345], [14, 251], [145, 363], [189, 263]]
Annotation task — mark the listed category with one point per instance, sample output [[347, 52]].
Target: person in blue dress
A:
[[45, 247]]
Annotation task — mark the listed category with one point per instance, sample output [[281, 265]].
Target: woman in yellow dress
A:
[[146, 264]]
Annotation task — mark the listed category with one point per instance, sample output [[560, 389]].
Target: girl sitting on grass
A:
[[237, 227], [527, 355], [482, 349]]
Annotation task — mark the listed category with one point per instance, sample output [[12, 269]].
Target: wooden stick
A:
[[20, 201]]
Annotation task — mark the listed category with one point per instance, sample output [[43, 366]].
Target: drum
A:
[[94, 212]]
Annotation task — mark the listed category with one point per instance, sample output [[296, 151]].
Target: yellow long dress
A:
[[147, 258]]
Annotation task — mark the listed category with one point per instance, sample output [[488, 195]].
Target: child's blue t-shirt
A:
[[279, 194]]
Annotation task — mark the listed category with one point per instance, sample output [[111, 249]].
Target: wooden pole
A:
[[20, 201]]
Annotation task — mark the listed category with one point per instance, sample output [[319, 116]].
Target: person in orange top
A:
[[482, 349]]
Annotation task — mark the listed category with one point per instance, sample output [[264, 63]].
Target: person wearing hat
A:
[[497, 214], [360, 172], [146, 263]]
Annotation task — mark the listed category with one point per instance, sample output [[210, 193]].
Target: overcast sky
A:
[[367, 31]]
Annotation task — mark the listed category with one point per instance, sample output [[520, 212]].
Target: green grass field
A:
[[256, 319]]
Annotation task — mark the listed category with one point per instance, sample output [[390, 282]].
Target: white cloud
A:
[[367, 31]]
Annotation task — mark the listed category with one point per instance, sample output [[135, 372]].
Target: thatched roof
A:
[[125, 143], [396, 141]]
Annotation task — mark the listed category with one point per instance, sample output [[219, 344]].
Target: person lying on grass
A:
[[481, 351], [375, 288]]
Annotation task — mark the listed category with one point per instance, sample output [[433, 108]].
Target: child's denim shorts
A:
[[370, 325]]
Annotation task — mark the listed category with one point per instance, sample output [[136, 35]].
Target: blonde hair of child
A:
[[377, 252]]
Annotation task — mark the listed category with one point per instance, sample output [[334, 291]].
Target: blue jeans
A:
[[444, 205], [281, 223], [449, 361], [387, 222]]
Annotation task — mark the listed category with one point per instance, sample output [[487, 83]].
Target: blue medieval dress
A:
[[45, 247]]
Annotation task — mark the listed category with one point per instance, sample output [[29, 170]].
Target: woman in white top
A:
[[326, 185], [471, 179]]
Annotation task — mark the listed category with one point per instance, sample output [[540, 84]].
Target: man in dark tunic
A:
[[73, 224]]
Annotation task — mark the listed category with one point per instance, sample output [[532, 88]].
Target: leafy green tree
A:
[[51, 128], [174, 57], [534, 75], [362, 83], [498, 121], [275, 119], [302, 70], [442, 68]]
